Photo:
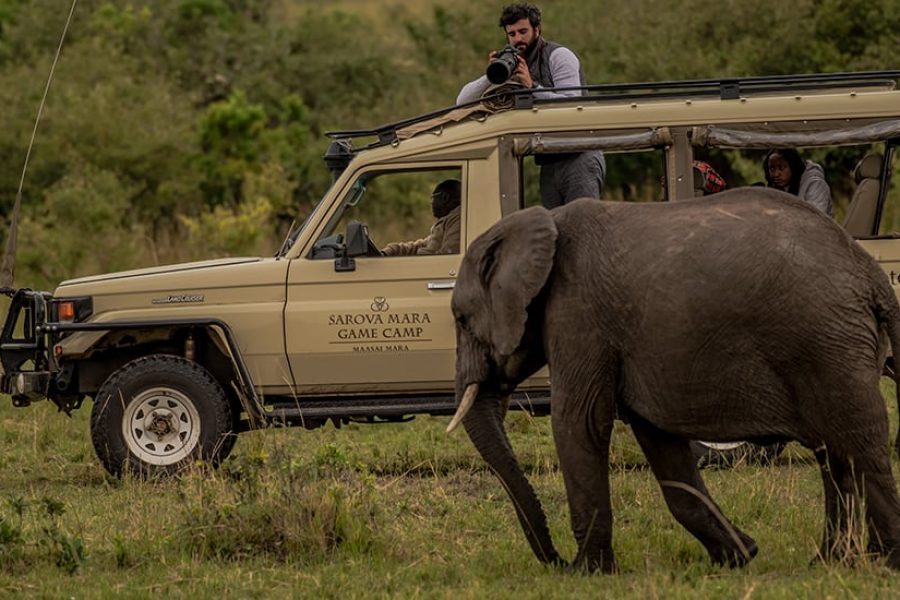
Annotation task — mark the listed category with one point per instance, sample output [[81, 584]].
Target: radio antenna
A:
[[8, 268]]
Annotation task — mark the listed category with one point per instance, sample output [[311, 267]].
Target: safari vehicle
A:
[[177, 359]]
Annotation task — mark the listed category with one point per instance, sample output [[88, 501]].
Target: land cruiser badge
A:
[[179, 299]]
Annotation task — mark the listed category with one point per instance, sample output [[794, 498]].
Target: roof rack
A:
[[730, 88]]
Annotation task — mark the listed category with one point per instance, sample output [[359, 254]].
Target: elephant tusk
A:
[[464, 406]]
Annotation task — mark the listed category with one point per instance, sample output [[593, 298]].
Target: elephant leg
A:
[[873, 476], [841, 508], [583, 447], [675, 468], [862, 443], [897, 395]]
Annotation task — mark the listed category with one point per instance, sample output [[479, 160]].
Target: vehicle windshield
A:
[[295, 231]]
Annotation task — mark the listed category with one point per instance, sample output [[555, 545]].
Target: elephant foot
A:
[[848, 559], [834, 554], [733, 556], [890, 553], [602, 562], [892, 559], [557, 561]]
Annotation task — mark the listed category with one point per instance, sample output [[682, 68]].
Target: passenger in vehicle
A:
[[706, 179], [545, 64], [444, 236], [785, 170]]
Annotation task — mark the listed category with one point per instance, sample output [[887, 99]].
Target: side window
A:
[[635, 176], [628, 176], [412, 212], [846, 180]]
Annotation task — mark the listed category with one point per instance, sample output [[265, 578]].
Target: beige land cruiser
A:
[[179, 358]]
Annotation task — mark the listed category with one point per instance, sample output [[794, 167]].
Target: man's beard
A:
[[527, 49]]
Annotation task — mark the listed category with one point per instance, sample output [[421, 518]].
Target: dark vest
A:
[[538, 60]]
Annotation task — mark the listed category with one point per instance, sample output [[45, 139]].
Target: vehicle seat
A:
[[860, 216]]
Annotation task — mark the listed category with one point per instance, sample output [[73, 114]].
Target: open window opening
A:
[[406, 212], [844, 169], [634, 164]]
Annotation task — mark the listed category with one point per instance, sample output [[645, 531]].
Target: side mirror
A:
[[356, 243], [357, 238]]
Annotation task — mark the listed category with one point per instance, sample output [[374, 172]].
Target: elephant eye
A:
[[462, 322]]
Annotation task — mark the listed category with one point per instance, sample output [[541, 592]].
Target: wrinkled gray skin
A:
[[742, 316]]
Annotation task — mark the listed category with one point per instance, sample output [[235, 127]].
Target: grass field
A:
[[399, 510]]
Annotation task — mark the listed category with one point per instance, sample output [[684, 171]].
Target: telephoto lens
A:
[[503, 66]]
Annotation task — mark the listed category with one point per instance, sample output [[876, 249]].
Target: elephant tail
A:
[[887, 312]]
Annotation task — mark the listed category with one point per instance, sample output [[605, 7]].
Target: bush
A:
[[229, 231], [33, 534], [281, 509], [84, 226]]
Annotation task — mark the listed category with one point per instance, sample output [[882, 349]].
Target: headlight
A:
[[71, 310]]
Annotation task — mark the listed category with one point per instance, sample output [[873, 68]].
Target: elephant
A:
[[745, 315]]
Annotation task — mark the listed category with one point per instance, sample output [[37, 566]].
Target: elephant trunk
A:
[[484, 425]]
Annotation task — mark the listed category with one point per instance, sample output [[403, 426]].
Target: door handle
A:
[[441, 285]]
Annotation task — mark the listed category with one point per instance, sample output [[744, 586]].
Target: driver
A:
[[444, 236]]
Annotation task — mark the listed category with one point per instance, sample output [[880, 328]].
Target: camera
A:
[[504, 65]]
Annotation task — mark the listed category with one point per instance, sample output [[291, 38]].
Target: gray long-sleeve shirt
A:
[[563, 64], [814, 189]]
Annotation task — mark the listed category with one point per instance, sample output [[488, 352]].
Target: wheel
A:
[[730, 454], [158, 414]]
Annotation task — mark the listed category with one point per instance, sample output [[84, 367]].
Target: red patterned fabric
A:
[[712, 181]]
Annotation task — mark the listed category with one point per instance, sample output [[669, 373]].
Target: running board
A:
[[309, 410]]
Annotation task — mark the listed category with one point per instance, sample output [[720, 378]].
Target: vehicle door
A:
[[380, 323]]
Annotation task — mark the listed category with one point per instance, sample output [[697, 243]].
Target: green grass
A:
[[379, 511]]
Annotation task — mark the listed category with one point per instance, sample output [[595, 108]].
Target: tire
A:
[[729, 455], [158, 414]]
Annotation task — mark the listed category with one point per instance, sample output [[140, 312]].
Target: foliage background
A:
[[179, 129]]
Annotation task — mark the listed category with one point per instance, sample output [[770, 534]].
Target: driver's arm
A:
[[405, 248]]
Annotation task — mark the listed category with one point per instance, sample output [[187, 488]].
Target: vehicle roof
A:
[[640, 105]]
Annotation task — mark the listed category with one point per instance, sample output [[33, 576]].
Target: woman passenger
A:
[[787, 171]]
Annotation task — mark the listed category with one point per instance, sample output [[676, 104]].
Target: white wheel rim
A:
[[161, 426], [722, 446]]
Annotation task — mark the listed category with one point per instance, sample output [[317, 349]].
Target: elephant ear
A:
[[514, 266]]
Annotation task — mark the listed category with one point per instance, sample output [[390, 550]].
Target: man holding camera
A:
[[544, 64]]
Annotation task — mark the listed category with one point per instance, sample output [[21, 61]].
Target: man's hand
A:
[[522, 74], [492, 56]]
